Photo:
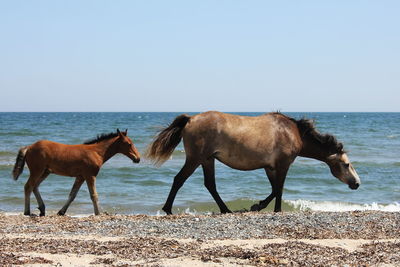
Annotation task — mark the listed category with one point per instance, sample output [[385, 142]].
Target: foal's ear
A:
[[119, 133]]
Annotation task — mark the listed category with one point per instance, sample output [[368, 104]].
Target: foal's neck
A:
[[107, 149]]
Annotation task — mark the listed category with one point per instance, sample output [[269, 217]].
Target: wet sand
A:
[[253, 239]]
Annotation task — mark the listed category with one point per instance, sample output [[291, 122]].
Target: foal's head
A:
[[126, 146], [342, 169]]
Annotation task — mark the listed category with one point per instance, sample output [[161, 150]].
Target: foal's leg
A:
[[91, 183], [39, 199], [209, 182], [180, 178], [75, 188], [28, 188]]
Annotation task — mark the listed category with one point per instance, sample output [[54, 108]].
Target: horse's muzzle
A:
[[354, 186], [136, 160]]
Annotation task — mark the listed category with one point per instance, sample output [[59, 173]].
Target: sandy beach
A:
[[252, 239]]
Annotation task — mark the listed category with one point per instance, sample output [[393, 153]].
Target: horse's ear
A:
[[126, 132], [119, 133], [332, 157]]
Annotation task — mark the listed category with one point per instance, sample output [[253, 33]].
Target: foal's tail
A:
[[166, 141], [19, 163]]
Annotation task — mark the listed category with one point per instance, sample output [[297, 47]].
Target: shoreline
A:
[[254, 239]]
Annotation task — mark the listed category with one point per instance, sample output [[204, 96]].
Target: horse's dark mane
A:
[[101, 137], [307, 129]]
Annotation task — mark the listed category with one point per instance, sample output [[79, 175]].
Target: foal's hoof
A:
[[255, 207]]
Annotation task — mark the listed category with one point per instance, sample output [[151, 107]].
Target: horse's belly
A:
[[243, 163]]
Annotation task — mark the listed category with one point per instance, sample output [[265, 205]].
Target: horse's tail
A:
[[19, 163], [166, 141]]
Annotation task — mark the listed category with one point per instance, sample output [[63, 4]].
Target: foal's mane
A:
[[101, 137], [307, 129]]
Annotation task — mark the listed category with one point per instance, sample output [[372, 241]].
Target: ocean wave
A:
[[304, 205]]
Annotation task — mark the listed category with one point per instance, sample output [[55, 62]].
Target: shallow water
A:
[[372, 139]]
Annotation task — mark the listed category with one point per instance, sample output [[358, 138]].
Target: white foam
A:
[[341, 206]]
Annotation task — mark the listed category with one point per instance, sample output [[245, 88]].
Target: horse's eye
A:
[[347, 165]]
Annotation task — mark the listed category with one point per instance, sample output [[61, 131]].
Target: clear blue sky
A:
[[199, 55]]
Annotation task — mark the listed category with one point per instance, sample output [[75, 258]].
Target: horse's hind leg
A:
[[39, 199], [187, 170], [209, 182], [75, 188]]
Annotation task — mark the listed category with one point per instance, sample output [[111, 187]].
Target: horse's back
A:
[[242, 142]]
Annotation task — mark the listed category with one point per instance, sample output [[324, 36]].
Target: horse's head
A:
[[126, 146], [342, 169]]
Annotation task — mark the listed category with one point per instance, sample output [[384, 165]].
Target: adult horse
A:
[[270, 141], [80, 161]]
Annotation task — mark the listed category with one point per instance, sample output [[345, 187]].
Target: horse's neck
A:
[[312, 150], [106, 149]]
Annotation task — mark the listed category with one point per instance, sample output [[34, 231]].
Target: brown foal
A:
[[270, 141], [80, 161]]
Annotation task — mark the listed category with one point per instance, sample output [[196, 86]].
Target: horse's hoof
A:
[[255, 207], [42, 211], [61, 213], [226, 211], [241, 211], [167, 211]]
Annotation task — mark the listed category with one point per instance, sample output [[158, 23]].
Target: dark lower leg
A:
[[209, 182], [39, 199], [278, 200], [263, 203], [179, 180], [27, 192]]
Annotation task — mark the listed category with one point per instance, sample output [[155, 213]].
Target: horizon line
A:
[[199, 111]]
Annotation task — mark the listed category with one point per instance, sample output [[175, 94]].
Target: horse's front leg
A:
[[271, 174], [281, 176], [277, 179], [75, 188], [91, 183]]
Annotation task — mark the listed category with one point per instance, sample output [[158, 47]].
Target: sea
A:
[[371, 139]]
